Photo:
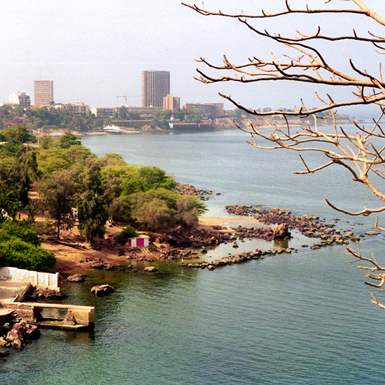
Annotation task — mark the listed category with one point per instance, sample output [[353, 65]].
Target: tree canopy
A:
[[73, 187]]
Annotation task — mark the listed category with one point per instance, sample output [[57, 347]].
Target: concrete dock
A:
[[15, 285]]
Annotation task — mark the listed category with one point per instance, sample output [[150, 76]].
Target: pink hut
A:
[[138, 242]]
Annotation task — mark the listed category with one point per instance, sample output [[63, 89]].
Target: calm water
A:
[[303, 318]]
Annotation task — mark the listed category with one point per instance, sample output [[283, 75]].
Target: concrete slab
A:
[[9, 290]]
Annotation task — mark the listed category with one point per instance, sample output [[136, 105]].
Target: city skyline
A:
[[96, 51]]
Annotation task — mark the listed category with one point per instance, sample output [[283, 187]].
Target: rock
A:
[[3, 342], [211, 267], [31, 332], [150, 269], [309, 217], [371, 232], [102, 290], [108, 266], [281, 231], [76, 278], [5, 353], [97, 265], [69, 318], [17, 344]]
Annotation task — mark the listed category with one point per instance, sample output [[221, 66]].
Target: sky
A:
[[96, 50]]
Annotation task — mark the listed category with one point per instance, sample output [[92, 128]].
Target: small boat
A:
[[112, 129]]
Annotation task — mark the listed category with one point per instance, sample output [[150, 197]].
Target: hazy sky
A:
[[95, 50]]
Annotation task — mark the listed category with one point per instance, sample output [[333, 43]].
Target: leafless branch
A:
[[360, 153]]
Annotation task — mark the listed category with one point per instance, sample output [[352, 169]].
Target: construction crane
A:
[[125, 96], [125, 99]]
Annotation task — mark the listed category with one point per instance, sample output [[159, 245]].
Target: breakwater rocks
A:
[[14, 333], [308, 225], [187, 189], [236, 259]]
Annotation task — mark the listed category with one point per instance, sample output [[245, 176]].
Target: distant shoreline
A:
[[224, 127]]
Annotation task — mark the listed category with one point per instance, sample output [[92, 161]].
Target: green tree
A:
[[179, 114], [154, 215], [18, 135], [195, 116], [53, 159], [189, 208], [57, 190], [8, 205], [144, 178], [160, 209], [120, 209], [69, 139], [17, 173], [127, 233], [92, 202]]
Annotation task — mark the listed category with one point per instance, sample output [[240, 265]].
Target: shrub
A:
[[20, 247], [22, 230], [127, 233], [17, 253]]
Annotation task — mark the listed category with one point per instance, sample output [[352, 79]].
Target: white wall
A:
[[38, 279]]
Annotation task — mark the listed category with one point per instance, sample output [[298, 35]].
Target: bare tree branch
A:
[[360, 153]]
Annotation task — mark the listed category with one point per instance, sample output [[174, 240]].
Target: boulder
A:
[[76, 278], [150, 269], [102, 290], [108, 266], [371, 232], [281, 231], [31, 332], [97, 265]]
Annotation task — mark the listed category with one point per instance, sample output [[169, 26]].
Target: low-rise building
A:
[[171, 103], [78, 108], [212, 110]]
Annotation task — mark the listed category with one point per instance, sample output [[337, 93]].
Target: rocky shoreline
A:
[[187, 189], [15, 333], [183, 245]]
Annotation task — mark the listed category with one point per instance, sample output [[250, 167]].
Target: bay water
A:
[[303, 318]]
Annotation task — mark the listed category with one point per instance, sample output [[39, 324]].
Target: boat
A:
[[112, 129]]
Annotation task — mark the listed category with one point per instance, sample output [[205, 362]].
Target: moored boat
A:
[[112, 129]]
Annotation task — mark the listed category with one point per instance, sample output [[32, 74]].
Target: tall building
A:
[[20, 98], [155, 86], [43, 92], [171, 103]]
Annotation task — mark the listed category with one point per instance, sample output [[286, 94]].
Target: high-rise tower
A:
[[43, 92], [155, 86]]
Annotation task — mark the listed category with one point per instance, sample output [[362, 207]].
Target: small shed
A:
[[138, 242]]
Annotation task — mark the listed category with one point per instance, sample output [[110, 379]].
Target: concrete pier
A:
[[62, 316], [15, 285]]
